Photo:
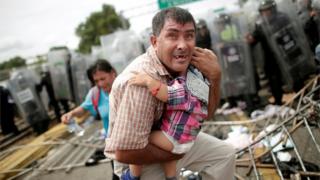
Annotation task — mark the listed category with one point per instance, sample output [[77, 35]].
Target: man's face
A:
[[266, 13], [174, 45]]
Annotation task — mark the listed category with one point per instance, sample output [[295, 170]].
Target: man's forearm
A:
[[214, 96], [149, 155]]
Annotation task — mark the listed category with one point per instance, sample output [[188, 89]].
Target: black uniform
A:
[[271, 67], [7, 113], [203, 41], [47, 83], [312, 31]]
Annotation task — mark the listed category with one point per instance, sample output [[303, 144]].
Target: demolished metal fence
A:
[[298, 122], [299, 125]]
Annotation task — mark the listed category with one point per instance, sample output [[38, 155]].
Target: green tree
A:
[[99, 23], [13, 63], [40, 59]]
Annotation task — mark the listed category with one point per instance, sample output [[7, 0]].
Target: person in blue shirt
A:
[[97, 99], [101, 75]]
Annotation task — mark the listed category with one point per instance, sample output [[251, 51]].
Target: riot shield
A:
[[286, 38], [22, 88], [121, 47], [57, 62], [302, 10], [145, 38], [234, 54], [36, 70], [250, 10], [81, 83]]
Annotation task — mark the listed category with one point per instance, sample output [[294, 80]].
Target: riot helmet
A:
[[223, 19], [267, 5], [203, 38], [201, 24], [202, 29]]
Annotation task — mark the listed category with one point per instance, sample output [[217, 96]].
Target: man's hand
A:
[[249, 38], [207, 62]]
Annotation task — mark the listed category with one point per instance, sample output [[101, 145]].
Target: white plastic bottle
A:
[[74, 127]]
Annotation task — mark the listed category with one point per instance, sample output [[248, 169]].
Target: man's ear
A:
[[153, 40]]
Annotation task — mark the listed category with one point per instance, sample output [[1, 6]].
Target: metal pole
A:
[[253, 163], [295, 150], [311, 134], [275, 160]]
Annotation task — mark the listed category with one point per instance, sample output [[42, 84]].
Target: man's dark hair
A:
[[177, 14]]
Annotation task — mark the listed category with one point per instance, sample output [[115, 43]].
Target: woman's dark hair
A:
[[102, 65], [177, 14], [99, 65], [89, 75]]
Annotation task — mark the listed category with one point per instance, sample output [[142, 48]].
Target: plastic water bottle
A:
[[74, 127]]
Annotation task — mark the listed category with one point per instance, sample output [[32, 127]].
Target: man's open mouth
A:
[[180, 57]]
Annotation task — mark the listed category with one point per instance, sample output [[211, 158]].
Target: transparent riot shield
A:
[[119, 61], [57, 62], [145, 37], [233, 54], [250, 10], [36, 70], [81, 83], [121, 47], [302, 10], [288, 43], [22, 88]]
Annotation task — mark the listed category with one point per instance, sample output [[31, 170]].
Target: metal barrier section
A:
[[285, 145]]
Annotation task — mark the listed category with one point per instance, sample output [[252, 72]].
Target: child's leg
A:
[[159, 139], [135, 170], [133, 173], [170, 169]]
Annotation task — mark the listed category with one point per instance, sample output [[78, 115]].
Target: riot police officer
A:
[[237, 83], [228, 31], [47, 83], [312, 25], [269, 15], [288, 63], [203, 38], [7, 112]]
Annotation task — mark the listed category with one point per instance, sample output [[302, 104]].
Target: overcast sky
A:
[[30, 27]]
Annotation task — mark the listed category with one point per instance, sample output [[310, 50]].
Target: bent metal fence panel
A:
[[286, 144]]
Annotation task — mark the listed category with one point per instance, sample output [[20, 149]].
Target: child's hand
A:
[[139, 78]]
